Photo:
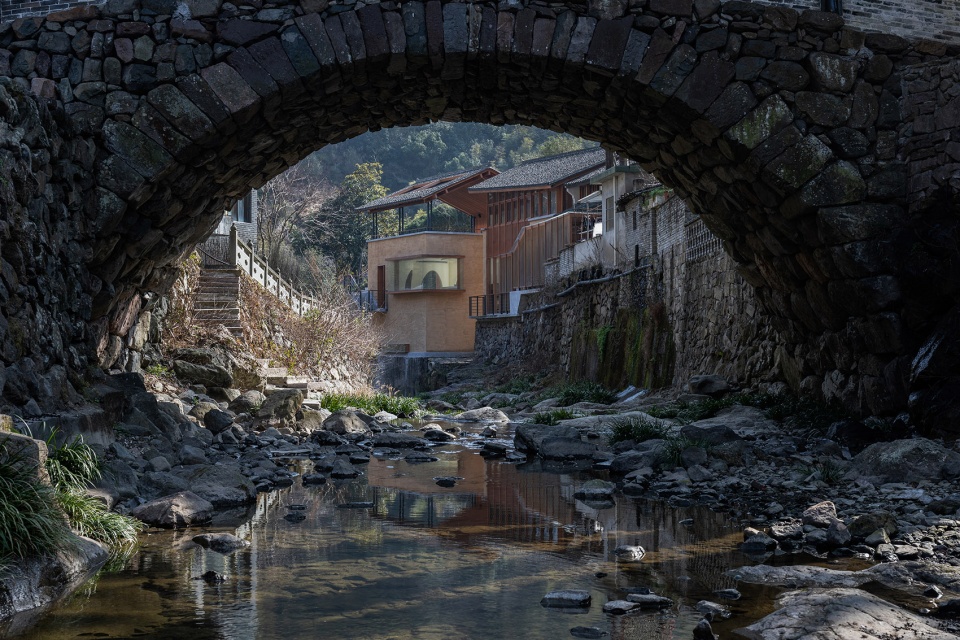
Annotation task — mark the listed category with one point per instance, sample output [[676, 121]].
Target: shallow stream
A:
[[470, 561]]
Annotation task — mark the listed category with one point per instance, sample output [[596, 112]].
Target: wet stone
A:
[[566, 599]]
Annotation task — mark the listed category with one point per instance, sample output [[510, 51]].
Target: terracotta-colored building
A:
[[531, 215], [422, 275]]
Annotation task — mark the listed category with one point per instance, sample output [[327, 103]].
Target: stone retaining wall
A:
[[656, 325]]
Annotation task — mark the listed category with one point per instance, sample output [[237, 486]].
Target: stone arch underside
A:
[[786, 132]]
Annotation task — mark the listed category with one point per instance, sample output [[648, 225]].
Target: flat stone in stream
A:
[[314, 479], [343, 469], [446, 481], [566, 598], [713, 608], [619, 607], [355, 505], [650, 600], [588, 633]]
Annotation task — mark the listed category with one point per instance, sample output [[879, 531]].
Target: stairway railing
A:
[[230, 251]]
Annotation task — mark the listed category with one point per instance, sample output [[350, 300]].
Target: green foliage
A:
[[637, 429], [72, 468], [30, 521], [516, 386], [411, 153], [691, 412], [90, 517], [553, 417], [402, 406], [338, 230], [159, 370], [583, 391], [675, 446], [602, 334]]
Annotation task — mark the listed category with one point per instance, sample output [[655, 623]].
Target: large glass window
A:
[[425, 274]]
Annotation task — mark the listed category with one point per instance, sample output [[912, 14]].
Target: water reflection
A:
[[469, 561]]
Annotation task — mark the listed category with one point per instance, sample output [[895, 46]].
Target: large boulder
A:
[[906, 461], [838, 614], [248, 402], [528, 437], [216, 420], [559, 448], [483, 414], [345, 422], [708, 385], [182, 509], [281, 404], [397, 440], [205, 365], [709, 434]]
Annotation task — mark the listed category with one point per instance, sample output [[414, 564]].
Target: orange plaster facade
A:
[[424, 320]]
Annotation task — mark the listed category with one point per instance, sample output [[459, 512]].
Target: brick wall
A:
[[13, 9], [914, 19]]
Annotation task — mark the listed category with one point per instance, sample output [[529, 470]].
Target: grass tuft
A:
[[638, 430], [553, 417], [402, 406], [583, 391], [30, 521]]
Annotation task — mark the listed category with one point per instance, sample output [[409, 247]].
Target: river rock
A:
[[528, 437], [436, 434], [566, 598], [483, 414], [313, 479], [587, 633], [247, 402], [629, 553], [758, 544], [216, 420], [906, 461], [820, 514], [182, 509], [396, 440], [709, 434], [709, 385], [222, 543], [595, 490], [345, 422], [840, 614], [619, 607], [714, 609], [343, 469], [558, 448], [282, 404], [650, 600]]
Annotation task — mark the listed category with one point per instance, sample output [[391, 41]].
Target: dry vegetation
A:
[[336, 337]]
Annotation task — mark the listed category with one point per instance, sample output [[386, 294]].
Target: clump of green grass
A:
[[36, 517], [402, 406], [72, 468], [553, 417], [638, 430], [516, 386], [676, 445], [583, 391], [31, 522]]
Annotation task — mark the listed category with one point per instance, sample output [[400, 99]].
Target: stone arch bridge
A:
[[825, 158]]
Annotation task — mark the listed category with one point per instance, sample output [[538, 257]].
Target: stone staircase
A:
[[277, 376], [218, 299]]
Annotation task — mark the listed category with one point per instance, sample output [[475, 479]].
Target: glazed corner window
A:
[[425, 274]]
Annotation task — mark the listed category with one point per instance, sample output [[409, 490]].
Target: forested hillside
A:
[[409, 153]]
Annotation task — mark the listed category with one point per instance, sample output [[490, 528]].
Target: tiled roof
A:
[[544, 172], [422, 190]]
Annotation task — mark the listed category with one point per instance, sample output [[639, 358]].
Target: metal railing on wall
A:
[[489, 305], [229, 251]]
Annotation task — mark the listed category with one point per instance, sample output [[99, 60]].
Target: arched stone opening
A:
[[792, 136]]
